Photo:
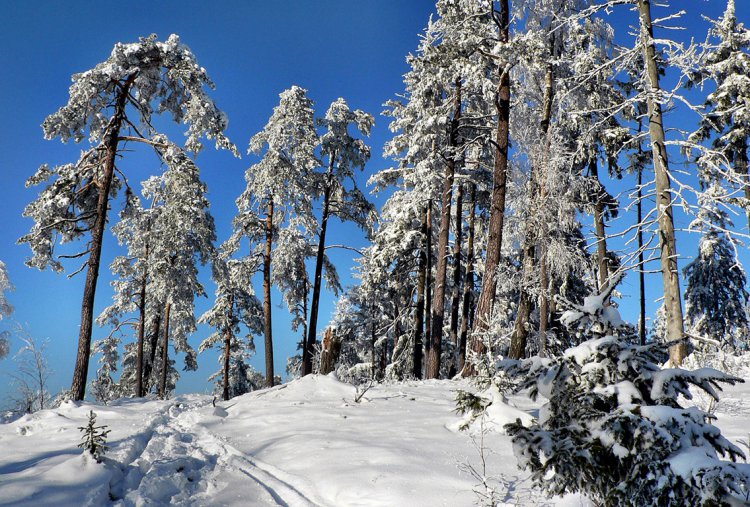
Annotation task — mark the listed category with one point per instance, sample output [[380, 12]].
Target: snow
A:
[[303, 443]]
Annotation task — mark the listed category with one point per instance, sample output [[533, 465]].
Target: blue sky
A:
[[252, 50]]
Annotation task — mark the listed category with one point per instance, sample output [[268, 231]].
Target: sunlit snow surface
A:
[[304, 443]]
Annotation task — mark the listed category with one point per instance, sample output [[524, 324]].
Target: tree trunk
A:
[[469, 283], [545, 285], [456, 294], [153, 342], [305, 313], [601, 238], [521, 326], [497, 201], [667, 242], [307, 351], [740, 166], [373, 339], [104, 184], [419, 310], [641, 274], [441, 273], [428, 284], [267, 295], [139, 391], [330, 352], [165, 355], [227, 352]]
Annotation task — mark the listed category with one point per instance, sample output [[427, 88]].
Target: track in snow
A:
[[176, 462]]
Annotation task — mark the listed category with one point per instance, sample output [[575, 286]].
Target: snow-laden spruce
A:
[[112, 106], [715, 295], [726, 122], [612, 427]]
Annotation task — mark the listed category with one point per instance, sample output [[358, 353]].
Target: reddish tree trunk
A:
[[497, 200], [165, 355], [419, 310], [104, 184], [456, 293], [227, 353], [441, 273], [469, 283], [267, 295]]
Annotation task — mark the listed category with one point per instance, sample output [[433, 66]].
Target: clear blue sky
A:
[[252, 50]]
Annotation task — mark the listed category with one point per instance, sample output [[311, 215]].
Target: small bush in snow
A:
[[613, 429], [94, 438]]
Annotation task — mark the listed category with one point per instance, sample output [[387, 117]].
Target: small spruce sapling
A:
[[612, 427], [94, 438]]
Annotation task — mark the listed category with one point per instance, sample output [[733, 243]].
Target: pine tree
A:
[[5, 308], [235, 305], [112, 105], [5, 286], [715, 295], [727, 119], [612, 427], [277, 186], [341, 197], [94, 438]]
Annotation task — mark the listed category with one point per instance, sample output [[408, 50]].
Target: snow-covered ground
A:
[[304, 443]]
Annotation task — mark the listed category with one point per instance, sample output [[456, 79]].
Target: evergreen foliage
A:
[[612, 426], [715, 295], [94, 439]]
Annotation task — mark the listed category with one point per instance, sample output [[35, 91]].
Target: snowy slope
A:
[[304, 443]]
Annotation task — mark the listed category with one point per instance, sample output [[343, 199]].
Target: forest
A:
[[552, 166]]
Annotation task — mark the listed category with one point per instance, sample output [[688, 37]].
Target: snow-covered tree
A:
[[726, 121], [5, 308], [235, 306], [342, 155], [104, 387], [111, 106], [5, 286], [715, 295], [165, 242], [612, 427], [278, 191]]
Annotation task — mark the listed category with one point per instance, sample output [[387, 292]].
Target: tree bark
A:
[[641, 274], [601, 238], [153, 342], [428, 283], [81, 371], [456, 293], [740, 166], [521, 327], [419, 310], [312, 329], [165, 355], [667, 242], [227, 352], [469, 282], [441, 273], [497, 200], [267, 295], [139, 390]]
